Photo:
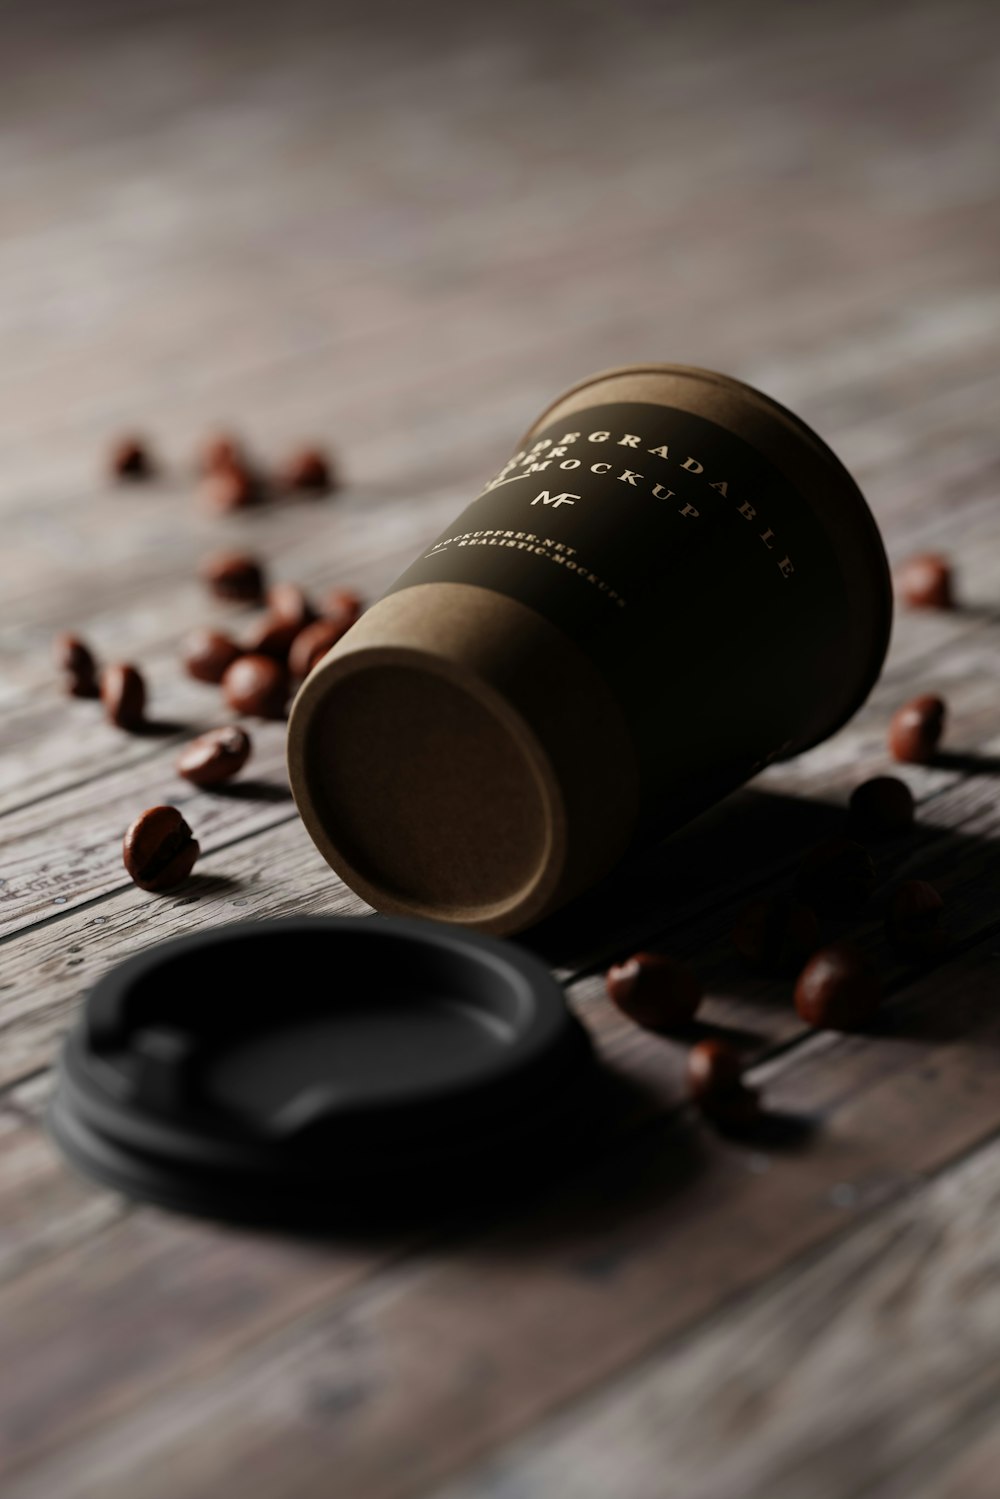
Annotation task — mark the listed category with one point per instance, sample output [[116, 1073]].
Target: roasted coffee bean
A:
[[925, 582], [715, 1082], [837, 876], [837, 989], [214, 757], [655, 991], [123, 693], [287, 602], [308, 471], [233, 575], [78, 666], [916, 729], [713, 1067], [129, 459], [256, 685], [342, 606], [223, 450], [913, 922], [881, 807], [312, 644], [208, 654], [159, 850], [289, 612], [232, 488], [272, 637], [775, 936]]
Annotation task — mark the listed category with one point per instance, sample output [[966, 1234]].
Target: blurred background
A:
[[408, 227]]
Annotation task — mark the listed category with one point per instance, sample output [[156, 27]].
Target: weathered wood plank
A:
[[854, 1374], [252, 227], [685, 896], [277, 873], [759, 1013], [52, 741], [44, 1210], [590, 1278], [138, 770], [214, 1293]]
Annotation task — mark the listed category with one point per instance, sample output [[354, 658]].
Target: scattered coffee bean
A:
[[287, 602], [271, 636], [223, 450], [123, 693], [916, 729], [837, 989], [208, 654], [233, 575], [312, 644], [655, 991], [214, 757], [289, 612], [913, 922], [308, 471], [232, 488], [342, 606], [130, 459], [257, 685], [925, 582], [881, 807], [838, 876], [775, 936], [77, 665], [159, 850], [715, 1082], [713, 1067]]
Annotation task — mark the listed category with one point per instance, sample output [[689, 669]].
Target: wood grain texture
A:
[[402, 235], [782, 1391]]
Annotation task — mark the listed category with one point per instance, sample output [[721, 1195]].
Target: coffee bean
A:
[[838, 876], [916, 729], [78, 666], [289, 612], [655, 991], [925, 582], [233, 575], [713, 1067], [913, 922], [223, 450], [342, 606], [881, 807], [159, 850], [837, 989], [214, 757], [272, 637], [232, 488], [287, 602], [775, 936], [715, 1082], [207, 655], [123, 693], [308, 471], [312, 644], [129, 459], [257, 685]]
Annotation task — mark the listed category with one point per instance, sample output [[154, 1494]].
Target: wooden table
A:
[[403, 232]]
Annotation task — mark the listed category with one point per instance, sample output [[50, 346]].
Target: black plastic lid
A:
[[305, 1069]]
